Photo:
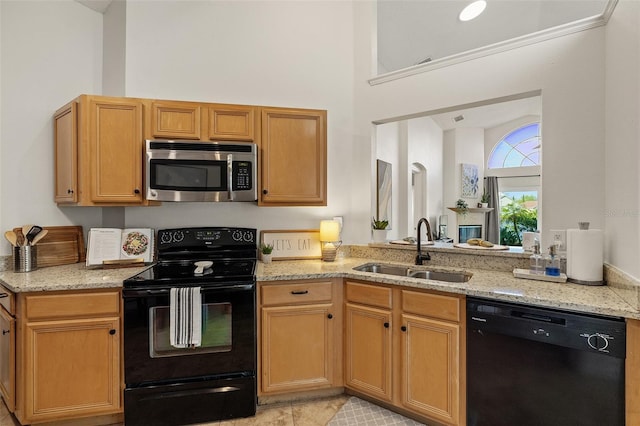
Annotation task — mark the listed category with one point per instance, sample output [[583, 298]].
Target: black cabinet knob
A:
[[386, 325], [112, 332], [403, 328], [5, 332], [265, 192], [330, 316], [69, 191], [136, 191]]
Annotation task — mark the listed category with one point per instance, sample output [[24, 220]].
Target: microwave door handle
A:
[[230, 176]]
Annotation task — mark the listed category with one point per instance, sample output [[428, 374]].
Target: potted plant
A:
[[379, 230], [462, 206], [266, 250], [484, 200]]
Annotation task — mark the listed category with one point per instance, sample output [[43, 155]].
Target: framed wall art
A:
[[469, 181]]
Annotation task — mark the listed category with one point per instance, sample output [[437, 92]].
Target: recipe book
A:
[[113, 245]]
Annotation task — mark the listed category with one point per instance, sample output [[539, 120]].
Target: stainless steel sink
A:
[[407, 271]]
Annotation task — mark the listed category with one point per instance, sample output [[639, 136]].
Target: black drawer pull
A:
[[403, 328], [5, 332], [386, 325], [330, 316], [3, 295], [299, 291]]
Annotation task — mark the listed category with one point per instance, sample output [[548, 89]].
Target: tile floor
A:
[[341, 410]]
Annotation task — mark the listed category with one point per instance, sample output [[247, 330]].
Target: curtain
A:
[[492, 219]]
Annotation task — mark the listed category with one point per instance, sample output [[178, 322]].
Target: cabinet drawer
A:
[[368, 295], [7, 300], [431, 305], [71, 305], [296, 293]]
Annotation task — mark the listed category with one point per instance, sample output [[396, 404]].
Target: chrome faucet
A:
[[420, 257]]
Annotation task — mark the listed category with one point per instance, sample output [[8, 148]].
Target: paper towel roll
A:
[[585, 256]]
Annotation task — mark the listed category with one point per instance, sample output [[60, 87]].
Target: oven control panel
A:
[[203, 237]]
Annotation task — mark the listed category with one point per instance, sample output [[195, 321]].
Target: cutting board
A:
[[61, 246], [469, 246]]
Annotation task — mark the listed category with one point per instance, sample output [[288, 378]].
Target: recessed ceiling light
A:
[[472, 11]]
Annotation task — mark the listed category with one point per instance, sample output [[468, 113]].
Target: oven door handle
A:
[[165, 291], [230, 177]]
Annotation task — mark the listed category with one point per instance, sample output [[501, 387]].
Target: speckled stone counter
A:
[[66, 277], [498, 284]]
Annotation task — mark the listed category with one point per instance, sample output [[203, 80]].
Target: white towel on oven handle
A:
[[185, 317]]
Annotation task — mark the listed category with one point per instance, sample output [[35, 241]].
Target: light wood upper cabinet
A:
[[176, 120], [294, 157], [66, 153], [99, 152], [115, 146], [201, 121], [69, 355], [300, 337], [231, 122]]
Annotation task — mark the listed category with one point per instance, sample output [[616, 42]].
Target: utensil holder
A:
[[25, 258]]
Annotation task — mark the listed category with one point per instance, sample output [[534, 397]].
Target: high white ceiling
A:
[[411, 30], [491, 115]]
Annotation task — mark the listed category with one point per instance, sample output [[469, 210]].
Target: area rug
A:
[[360, 412]]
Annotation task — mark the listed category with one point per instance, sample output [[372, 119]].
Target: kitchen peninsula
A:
[[332, 286]]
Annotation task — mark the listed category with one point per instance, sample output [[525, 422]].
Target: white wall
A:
[[569, 71], [51, 52], [425, 147], [280, 53], [465, 146], [622, 202]]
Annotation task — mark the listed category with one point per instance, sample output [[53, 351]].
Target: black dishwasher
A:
[[543, 367]]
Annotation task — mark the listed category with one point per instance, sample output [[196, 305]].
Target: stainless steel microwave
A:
[[200, 171]]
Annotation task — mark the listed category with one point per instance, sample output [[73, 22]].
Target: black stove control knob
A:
[[178, 236], [236, 235], [248, 236], [165, 238]]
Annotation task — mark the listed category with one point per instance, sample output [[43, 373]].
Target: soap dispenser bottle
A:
[[536, 262], [552, 264]]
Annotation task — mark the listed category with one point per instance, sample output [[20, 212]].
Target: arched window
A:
[[520, 148]]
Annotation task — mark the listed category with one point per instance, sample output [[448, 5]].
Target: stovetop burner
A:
[[232, 252]]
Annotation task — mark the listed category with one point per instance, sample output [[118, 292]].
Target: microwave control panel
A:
[[242, 175]]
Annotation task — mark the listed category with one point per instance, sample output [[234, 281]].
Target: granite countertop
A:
[[74, 276], [495, 284], [498, 285]]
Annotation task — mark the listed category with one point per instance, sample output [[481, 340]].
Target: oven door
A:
[[228, 336]]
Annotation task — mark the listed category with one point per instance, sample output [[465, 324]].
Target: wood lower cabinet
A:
[[99, 152], [294, 157], [69, 356], [412, 355], [368, 355], [7, 348], [299, 335]]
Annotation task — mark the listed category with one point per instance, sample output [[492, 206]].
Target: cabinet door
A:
[[231, 122], [71, 368], [297, 347], [430, 368], [115, 150], [7, 359], [368, 350], [294, 163], [180, 120], [66, 153]]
